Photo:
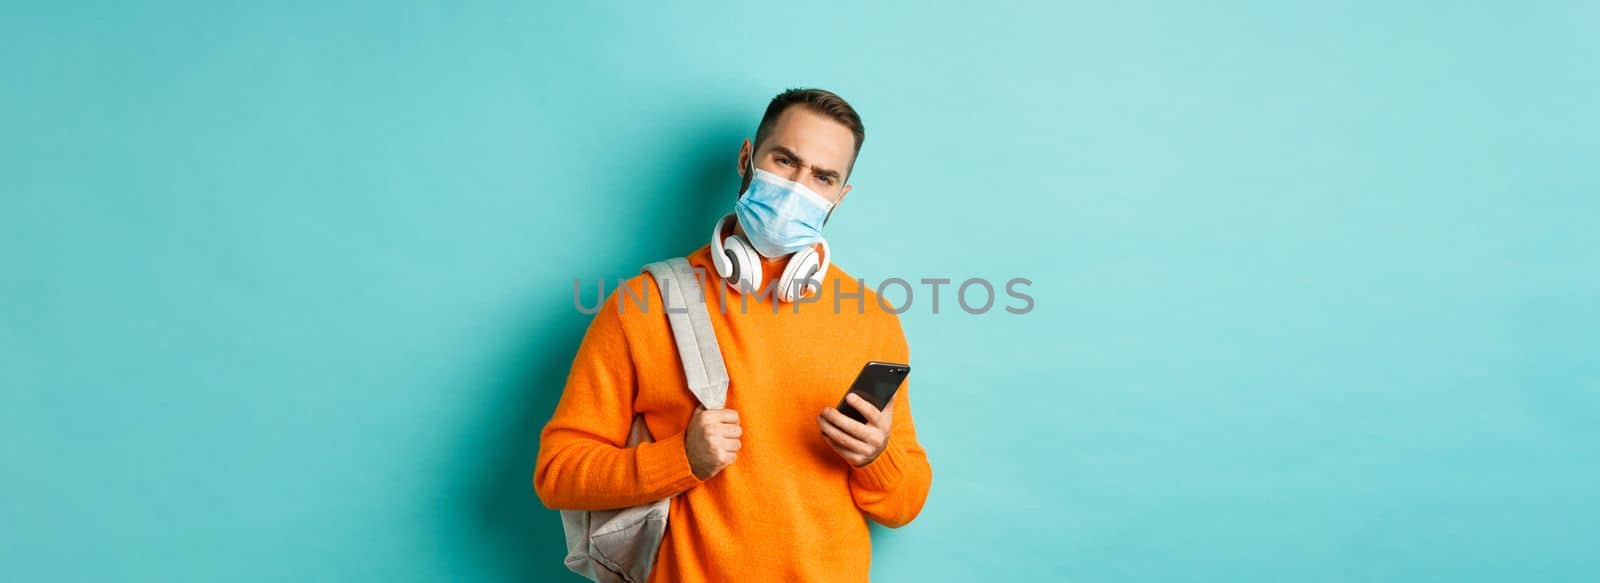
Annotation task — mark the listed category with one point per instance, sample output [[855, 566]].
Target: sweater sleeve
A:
[[582, 462], [892, 488]]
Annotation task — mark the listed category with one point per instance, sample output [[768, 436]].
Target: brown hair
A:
[[818, 100]]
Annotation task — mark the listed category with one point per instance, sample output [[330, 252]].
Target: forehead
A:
[[815, 137]]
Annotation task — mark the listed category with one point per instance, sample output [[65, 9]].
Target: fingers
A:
[[849, 456], [722, 428], [717, 420], [850, 426], [867, 442], [718, 415], [720, 422], [885, 421], [712, 442], [842, 442], [868, 412]]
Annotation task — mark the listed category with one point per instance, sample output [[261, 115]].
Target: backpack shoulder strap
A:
[[684, 302]]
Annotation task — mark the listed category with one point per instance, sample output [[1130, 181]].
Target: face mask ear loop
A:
[[830, 212], [833, 206], [749, 174]]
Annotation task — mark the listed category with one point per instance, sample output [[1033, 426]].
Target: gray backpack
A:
[[615, 546]]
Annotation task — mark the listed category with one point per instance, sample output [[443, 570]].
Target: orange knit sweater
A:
[[789, 508]]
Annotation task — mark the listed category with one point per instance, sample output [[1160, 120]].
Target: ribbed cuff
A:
[[664, 466], [885, 472]]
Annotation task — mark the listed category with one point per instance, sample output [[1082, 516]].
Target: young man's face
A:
[[809, 148]]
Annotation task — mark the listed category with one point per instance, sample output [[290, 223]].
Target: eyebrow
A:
[[816, 170]]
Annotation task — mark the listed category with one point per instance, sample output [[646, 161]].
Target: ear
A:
[[745, 152], [836, 203], [746, 157]]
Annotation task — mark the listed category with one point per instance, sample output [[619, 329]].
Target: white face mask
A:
[[780, 216]]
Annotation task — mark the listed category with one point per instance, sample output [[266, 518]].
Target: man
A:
[[777, 485]]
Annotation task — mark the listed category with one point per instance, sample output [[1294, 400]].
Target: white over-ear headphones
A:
[[738, 264]]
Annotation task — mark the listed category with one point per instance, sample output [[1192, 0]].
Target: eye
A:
[[825, 180], [783, 161]]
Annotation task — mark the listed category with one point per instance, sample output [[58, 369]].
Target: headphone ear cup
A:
[[802, 266], [744, 262], [719, 257]]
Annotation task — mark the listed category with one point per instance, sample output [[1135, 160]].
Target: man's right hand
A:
[[712, 441]]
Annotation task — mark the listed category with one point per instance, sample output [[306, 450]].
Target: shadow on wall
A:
[[520, 538]]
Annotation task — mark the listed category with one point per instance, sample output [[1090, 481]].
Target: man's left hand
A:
[[856, 442]]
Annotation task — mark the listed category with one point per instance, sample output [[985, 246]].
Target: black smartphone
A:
[[877, 383]]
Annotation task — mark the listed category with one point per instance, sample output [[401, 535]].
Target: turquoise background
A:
[[285, 287]]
